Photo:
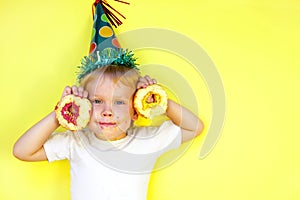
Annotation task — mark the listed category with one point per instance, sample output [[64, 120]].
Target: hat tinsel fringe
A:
[[108, 10], [120, 57]]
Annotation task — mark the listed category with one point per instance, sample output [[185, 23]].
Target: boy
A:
[[110, 159]]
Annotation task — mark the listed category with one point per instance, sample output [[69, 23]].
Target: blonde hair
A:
[[127, 76]]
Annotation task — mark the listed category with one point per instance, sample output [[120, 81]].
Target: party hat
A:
[[103, 35], [105, 48]]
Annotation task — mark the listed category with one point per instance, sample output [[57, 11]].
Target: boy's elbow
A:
[[200, 128], [19, 153], [24, 155]]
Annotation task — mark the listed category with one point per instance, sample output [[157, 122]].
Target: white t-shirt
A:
[[115, 170]]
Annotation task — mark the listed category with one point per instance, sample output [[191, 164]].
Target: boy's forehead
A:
[[107, 86]]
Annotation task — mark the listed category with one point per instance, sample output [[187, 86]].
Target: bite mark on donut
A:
[[150, 101]]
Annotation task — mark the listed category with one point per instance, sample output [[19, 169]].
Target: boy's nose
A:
[[107, 113]]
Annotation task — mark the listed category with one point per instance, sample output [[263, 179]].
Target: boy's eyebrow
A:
[[115, 97], [121, 97], [96, 96]]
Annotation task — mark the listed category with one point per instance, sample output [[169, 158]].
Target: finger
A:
[[143, 80], [142, 85], [147, 78], [150, 80], [85, 94], [67, 91], [80, 91], [75, 90]]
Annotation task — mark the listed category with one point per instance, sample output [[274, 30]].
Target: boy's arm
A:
[[191, 126], [29, 146]]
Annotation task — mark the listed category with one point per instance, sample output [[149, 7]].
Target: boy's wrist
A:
[[56, 106], [53, 114]]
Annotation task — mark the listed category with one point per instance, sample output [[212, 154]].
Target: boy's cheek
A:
[[96, 111], [121, 110]]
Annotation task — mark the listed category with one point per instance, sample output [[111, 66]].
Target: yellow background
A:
[[255, 46]]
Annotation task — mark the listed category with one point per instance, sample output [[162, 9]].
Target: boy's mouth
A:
[[108, 124]]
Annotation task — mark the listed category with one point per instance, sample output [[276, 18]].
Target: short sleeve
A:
[[168, 137], [57, 147]]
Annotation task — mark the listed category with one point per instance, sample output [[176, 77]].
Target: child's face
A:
[[112, 109]]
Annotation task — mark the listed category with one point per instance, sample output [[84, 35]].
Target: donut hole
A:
[[73, 109], [151, 99], [70, 112]]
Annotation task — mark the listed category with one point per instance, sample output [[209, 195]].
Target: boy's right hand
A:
[[77, 91], [74, 109]]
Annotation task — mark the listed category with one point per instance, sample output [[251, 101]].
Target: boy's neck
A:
[[111, 138]]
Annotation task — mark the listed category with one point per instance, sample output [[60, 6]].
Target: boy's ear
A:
[[135, 115]]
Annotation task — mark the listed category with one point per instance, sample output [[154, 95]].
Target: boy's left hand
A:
[[145, 81]]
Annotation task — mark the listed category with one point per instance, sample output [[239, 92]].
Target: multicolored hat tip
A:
[[103, 35], [104, 47]]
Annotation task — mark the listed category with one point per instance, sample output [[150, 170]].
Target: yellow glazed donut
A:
[[73, 112], [150, 109]]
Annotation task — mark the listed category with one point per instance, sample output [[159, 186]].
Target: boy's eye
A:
[[96, 101], [119, 102]]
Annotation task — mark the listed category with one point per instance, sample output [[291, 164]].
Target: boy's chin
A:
[[109, 136], [107, 132]]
